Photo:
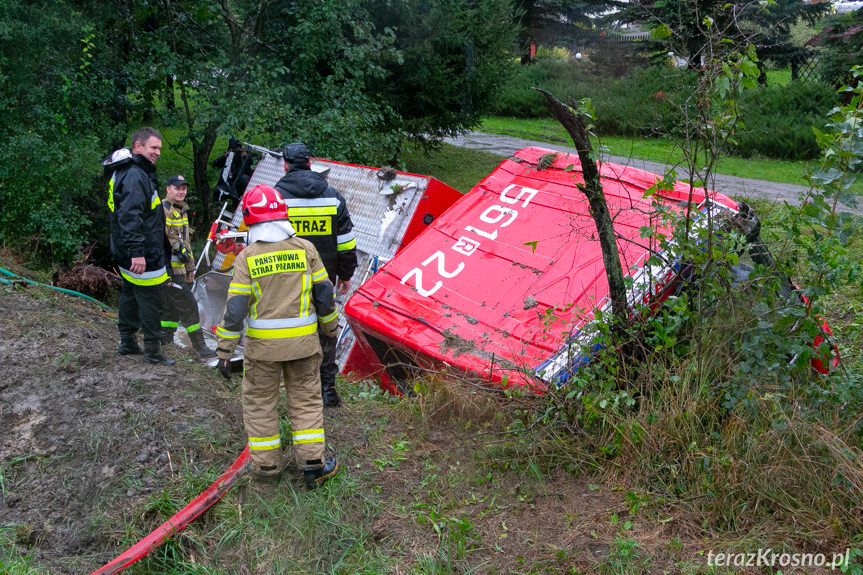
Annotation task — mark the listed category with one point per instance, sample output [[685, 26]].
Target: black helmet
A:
[[296, 153], [234, 143]]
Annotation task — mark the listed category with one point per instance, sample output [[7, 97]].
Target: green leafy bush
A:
[[55, 106], [777, 121]]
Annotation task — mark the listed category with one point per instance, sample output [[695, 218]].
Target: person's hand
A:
[[138, 265], [342, 286], [190, 277], [224, 367]]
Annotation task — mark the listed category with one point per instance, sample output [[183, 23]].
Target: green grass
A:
[[461, 168], [654, 149]]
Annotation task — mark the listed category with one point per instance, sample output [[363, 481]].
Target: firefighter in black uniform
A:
[[139, 245], [180, 304], [318, 213], [235, 170]]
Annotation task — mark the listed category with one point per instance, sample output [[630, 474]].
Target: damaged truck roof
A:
[[505, 283]]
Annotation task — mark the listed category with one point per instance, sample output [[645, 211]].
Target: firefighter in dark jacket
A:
[[280, 284], [138, 242], [235, 170], [319, 213], [180, 304]]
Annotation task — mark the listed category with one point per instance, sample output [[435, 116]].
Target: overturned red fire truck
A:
[[505, 284], [502, 283]]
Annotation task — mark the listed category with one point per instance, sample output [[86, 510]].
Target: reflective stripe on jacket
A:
[[280, 294], [177, 228], [136, 216], [319, 213]]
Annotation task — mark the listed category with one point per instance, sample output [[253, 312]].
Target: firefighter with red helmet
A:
[[281, 285]]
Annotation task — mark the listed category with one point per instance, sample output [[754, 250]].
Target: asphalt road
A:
[[738, 188]]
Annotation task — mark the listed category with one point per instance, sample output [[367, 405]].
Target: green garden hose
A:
[[49, 286]]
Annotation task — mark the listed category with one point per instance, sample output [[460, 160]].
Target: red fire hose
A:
[[182, 518]]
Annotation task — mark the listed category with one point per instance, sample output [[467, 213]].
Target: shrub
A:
[[777, 121]]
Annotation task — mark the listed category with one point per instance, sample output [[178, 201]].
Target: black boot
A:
[[153, 353], [200, 346], [128, 345], [329, 395], [315, 477]]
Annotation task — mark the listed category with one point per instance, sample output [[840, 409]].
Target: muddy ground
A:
[[85, 434], [89, 440]]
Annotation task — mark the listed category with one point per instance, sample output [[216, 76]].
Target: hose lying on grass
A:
[[182, 518], [17, 278]]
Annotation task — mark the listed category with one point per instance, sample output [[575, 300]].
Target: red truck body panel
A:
[[510, 273]]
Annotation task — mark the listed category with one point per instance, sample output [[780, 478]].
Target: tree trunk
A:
[[573, 122], [201, 149], [169, 92], [201, 163], [526, 31]]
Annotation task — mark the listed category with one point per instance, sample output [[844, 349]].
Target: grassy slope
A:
[[425, 488], [459, 167], [430, 485], [660, 150]]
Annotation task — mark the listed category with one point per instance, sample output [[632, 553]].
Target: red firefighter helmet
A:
[[262, 204]]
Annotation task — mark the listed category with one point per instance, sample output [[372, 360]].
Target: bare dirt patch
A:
[[85, 434]]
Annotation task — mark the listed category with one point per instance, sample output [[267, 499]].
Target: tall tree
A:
[[291, 71], [449, 62], [683, 26], [557, 22]]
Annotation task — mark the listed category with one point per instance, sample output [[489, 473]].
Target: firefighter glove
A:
[[183, 254], [224, 367]]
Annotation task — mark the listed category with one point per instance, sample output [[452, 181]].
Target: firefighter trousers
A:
[[329, 369], [180, 307], [305, 410], [140, 307]]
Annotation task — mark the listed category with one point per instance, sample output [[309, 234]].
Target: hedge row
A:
[[776, 121]]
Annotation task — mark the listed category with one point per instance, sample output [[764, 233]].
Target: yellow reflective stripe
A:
[[111, 192], [320, 275], [177, 264], [155, 201], [305, 298], [176, 223], [281, 333], [265, 443], [256, 290], [312, 211], [222, 332], [240, 288], [278, 323], [173, 324], [308, 436], [152, 278], [193, 327], [330, 317], [349, 245]]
